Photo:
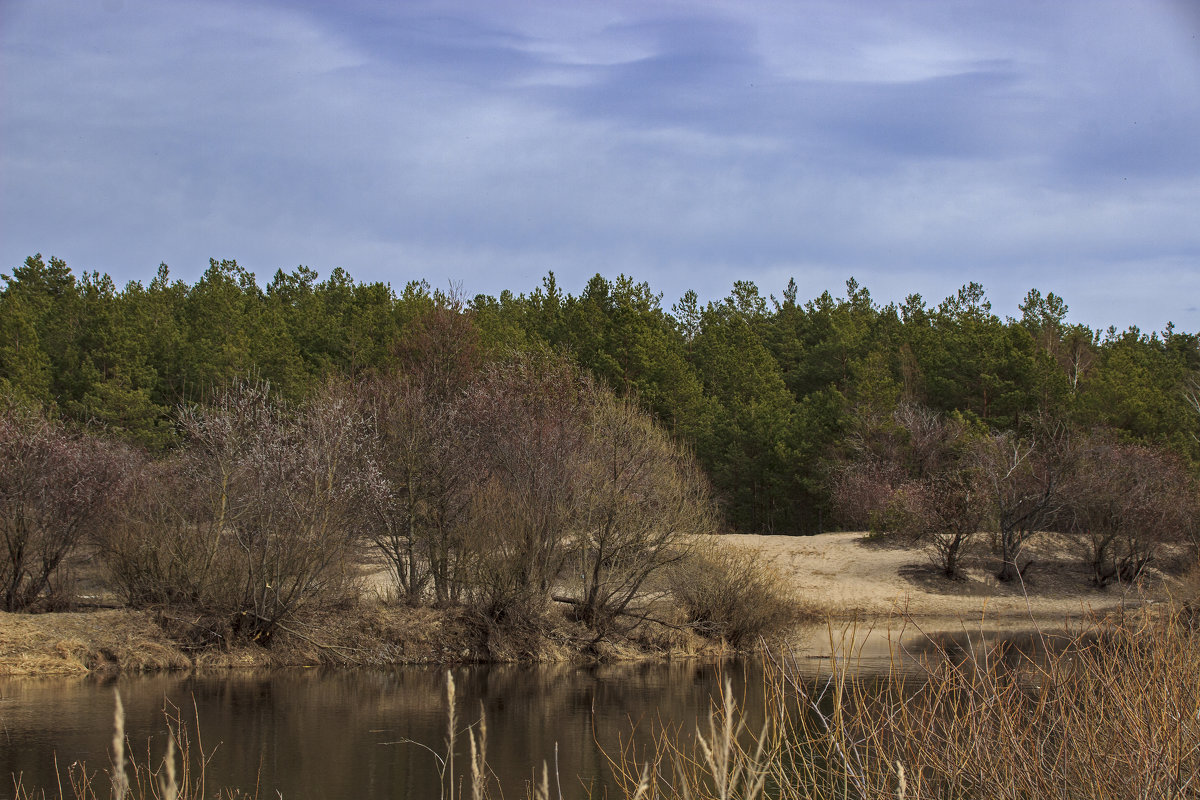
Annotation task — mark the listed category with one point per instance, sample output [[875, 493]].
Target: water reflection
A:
[[323, 734], [319, 734]]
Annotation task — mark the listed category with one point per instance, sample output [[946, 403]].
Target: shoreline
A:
[[132, 641], [842, 579]]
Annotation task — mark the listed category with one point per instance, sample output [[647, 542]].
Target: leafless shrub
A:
[[526, 419], [862, 491], [257, 517], [955, 509], [424, 453], [509, 482], [732, 594], [430, 474], [1024, 479], [1125, 501], [923, 482], [56, 488], [168, 548], [582, 491]]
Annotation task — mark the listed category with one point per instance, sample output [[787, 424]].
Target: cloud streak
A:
[[914, 146]]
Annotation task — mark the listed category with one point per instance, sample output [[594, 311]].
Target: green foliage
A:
[[764, 391]]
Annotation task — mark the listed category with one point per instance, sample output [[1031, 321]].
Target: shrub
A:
[[525, 420], [733, 594], [574, 491], [1126, 502], [918, 478], [643, 501], [257, 517], [56, 486]]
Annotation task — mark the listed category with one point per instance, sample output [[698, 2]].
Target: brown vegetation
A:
[[923, 484], [417, 416], [1126, 504], [524, 482], [643, 502], [1024, 476], [55, 489], [255, 520], [77, 643], [521, 495], [734, 594], [939, 482], [1112, 713]]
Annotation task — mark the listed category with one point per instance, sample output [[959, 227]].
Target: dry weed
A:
[[1113, 714]]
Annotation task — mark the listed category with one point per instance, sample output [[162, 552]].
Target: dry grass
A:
[[1114, 714], [851, 575], [76, 643]]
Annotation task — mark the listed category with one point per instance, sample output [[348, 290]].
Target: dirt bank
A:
[[368, 635], [134, 641]]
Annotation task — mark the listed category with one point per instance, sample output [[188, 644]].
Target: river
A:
[[324, 733]]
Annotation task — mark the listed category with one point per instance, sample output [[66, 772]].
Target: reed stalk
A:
[[1111, 713]]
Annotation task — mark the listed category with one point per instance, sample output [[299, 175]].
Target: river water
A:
[[317, 733]]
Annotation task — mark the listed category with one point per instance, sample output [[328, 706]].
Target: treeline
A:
[[768, 392], [505, 488]]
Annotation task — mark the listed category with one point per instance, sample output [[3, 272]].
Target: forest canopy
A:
[[770, 393]]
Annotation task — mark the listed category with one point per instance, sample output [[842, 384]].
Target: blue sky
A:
[[913, 145]]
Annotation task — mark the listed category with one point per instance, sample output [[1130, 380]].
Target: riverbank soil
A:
[[837, 576], [127, 640], [369, 634]]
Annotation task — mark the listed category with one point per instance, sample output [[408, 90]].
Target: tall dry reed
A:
[[1115, 713], [179, 775]]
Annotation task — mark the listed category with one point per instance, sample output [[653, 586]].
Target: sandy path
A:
[[843, 574]]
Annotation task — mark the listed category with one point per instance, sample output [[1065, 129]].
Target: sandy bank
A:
[[845, 575]]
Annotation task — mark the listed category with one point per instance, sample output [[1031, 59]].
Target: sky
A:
[[914, 146]]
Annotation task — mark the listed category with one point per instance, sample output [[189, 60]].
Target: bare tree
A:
[[1125, 501], [923, 482], [506, 480], [526, 421], [55, 488], [290, 487], [862, 490], [258, 517], [425, 455], [642, 501], [1191, 395], [431, 476], [944, 512], [169, 548], [1023, 479]]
